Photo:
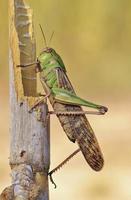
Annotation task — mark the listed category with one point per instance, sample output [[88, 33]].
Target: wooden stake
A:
[[30, 145]]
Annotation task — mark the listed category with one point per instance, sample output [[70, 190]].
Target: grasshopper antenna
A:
[[51, 37], [43, 35]]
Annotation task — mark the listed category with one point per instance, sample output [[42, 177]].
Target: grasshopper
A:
[[67, 105]]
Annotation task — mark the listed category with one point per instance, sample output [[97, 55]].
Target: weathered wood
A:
[[30, 142], [29, 150]]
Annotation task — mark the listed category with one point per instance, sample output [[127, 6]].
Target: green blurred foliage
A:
[[93, 38]]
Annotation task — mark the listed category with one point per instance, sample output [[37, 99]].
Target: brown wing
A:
[[77, 127]]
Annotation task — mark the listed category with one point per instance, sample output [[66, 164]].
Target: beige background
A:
[[94, 40]]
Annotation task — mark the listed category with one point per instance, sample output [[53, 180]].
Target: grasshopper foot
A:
[[52, 181], [31, 110], [21, 103], [103, 110]]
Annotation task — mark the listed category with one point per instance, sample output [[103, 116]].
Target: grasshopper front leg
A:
[[37, 67], [27, 65], [37, 103]]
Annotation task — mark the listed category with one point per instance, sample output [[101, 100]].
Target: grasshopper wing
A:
[[77, 127]]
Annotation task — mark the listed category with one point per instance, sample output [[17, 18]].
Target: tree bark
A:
[[30, 141]]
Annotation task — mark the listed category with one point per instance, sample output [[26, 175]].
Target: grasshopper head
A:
[[47, 50], [46, 56]]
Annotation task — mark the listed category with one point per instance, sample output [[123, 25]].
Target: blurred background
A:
[[94, 41]]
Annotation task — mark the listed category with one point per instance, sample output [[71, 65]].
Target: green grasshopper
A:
[[67, 105]]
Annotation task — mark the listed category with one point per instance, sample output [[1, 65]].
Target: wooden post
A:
[[30, 145]]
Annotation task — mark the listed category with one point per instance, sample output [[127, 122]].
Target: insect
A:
[[67, 105]]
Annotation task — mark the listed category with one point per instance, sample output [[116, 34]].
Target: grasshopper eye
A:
[[49, 50]]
